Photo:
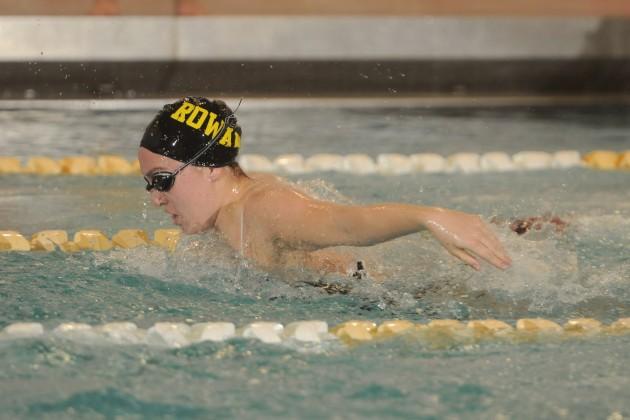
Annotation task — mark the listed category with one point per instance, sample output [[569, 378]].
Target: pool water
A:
[[583, 271]]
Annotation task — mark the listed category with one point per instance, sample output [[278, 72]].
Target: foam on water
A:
[[553, 273]]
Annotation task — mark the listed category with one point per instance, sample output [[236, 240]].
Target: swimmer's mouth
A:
[[174, 218]]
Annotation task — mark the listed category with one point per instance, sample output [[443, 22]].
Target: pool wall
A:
[[110, 49]]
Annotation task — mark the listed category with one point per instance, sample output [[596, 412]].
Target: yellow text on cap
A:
[[194, 116]]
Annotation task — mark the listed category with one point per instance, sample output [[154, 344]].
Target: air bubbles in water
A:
[[144, 210]]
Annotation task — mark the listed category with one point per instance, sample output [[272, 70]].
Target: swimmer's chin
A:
[[190, 230]]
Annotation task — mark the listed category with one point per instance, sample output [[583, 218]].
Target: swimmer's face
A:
[[189, 201]]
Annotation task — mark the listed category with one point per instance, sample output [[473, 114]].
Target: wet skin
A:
[[276, 225]]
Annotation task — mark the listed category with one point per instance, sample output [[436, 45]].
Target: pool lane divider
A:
[[358, 164], [441, 333], [90, 240]]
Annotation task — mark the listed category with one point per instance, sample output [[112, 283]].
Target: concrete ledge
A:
[[319, 7], [308, 38]]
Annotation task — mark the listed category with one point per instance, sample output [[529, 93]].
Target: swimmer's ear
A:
[[214, 174]]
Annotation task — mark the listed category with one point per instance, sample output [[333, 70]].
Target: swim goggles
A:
[[163, 181]]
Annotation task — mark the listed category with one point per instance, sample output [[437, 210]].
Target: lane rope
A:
[[357, 164], [436, 333], [88, 239]]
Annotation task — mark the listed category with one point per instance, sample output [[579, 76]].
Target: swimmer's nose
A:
[[157, 198]]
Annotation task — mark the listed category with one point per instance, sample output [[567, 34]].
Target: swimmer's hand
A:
[[466, 236]]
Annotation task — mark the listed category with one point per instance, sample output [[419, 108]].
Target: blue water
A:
[[581, 272]]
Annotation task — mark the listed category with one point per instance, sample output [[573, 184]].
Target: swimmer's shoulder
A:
[[272, 194], [264, 177], [265, 185]]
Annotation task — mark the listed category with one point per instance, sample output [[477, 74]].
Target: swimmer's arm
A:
[[305, 223]]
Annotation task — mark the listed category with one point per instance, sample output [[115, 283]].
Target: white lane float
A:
[[496, 162], [532, 160], [307, 331], [292, 164], [566, 159], [359, 164], [325, 162], [393, 164], [212, 331], [427, 162], [267, 332], [122, 333], [256, 163], [169, 334], [466, 163], [23, 330]]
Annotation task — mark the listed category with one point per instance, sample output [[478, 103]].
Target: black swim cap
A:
[[183, 128]]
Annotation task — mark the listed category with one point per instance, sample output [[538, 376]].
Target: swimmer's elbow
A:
[[353, 228], [323, 225]]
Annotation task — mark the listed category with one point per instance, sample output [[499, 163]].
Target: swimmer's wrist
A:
[[425, 215]]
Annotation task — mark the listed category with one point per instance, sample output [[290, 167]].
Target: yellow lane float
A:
[[537, 325], [10, 165], [167, 238], [351, 332], [114, 165], [487, 328], [620, 326], [94, 240], [41, 165], [394, 327], [13, 241], [48, 240], [78, 165], [135, 167], [130, 238], [602, 159], [587, 326]]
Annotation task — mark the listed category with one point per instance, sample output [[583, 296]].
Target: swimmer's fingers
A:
[[465, 257], [491, 241], [485, 244], [489, 253]]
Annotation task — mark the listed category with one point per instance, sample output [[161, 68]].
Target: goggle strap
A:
[[209, 145]]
